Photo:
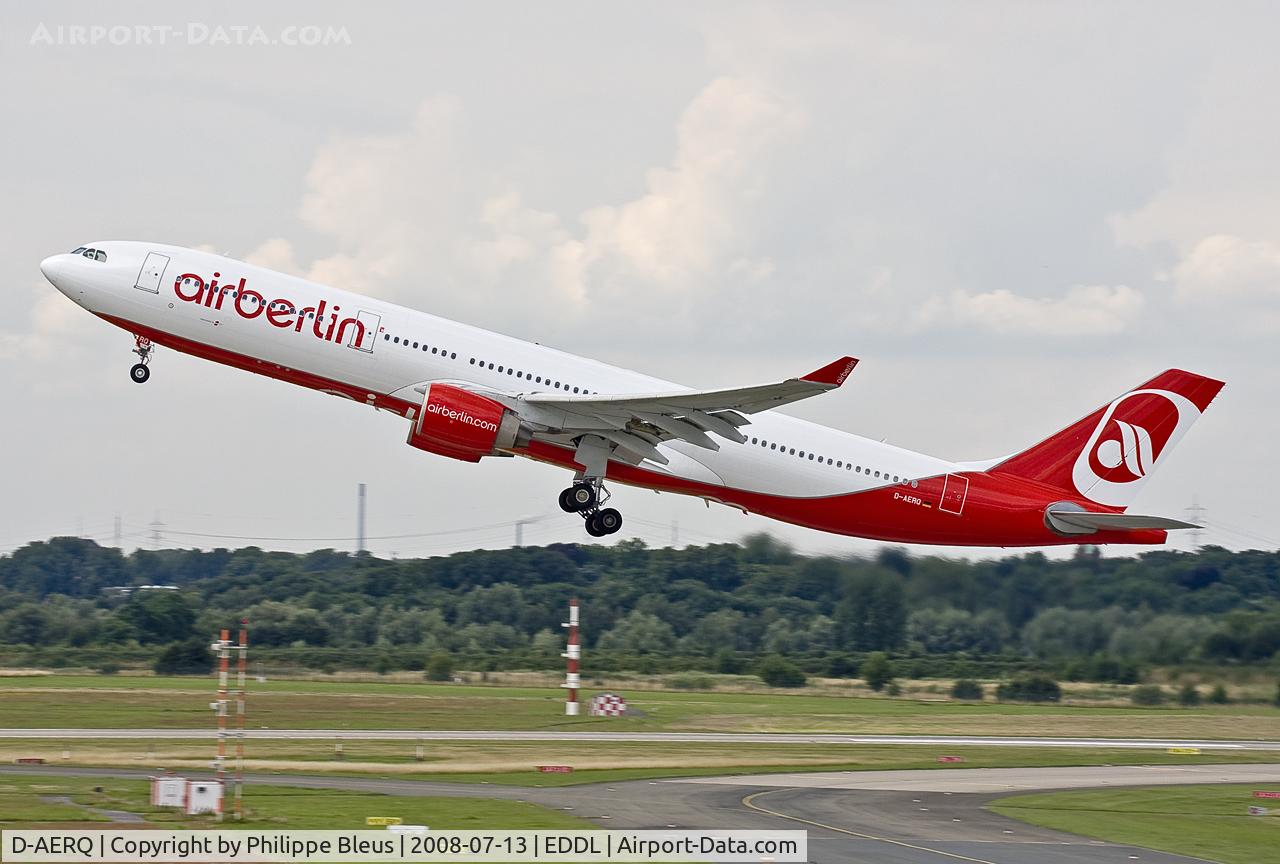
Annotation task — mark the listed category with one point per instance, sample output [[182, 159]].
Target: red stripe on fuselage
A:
[[997, 511], [263, 367]]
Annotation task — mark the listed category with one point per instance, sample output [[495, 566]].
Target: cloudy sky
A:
[[1011, 212]]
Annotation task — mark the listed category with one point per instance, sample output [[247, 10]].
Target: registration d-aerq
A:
[[468, 394]]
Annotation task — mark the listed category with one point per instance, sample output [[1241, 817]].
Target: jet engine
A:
[[462, 425]]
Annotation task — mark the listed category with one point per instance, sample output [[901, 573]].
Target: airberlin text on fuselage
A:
[[282, 312]]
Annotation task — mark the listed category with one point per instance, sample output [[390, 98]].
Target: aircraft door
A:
[[364, 337], [954, 491], [151, 273]]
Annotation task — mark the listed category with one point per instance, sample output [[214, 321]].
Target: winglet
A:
[[833, 374]]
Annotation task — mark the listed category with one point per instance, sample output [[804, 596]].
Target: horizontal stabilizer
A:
[[1076, 522]]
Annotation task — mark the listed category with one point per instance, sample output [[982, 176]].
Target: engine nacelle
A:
[[462, 425]]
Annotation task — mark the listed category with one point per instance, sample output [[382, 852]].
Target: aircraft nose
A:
[[50, 266]]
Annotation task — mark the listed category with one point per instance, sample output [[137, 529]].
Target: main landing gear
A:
[[585, 498], [144, 349]]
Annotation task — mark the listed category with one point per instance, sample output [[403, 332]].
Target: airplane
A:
[[469, 394]]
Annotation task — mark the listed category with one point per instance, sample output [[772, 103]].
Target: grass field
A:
[[23, 804], [140, 702], [1203, 821], [514, 763]]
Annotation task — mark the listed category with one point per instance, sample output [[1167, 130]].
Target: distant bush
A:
[[893, 689], [842, 666], [1029, 688], [779, 672], [1218, 695], [192, 657], [440, 667], [107, 668], [966, 688], [727, 662], [1188, 695], [1276, 700], [1147, 694], [1101, 668], [877, 671], [382, 665], [689, 681]]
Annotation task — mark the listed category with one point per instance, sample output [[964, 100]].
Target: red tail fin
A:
[[1107, 455]]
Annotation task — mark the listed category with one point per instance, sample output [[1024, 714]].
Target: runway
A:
[[890, 817], [652, 737]]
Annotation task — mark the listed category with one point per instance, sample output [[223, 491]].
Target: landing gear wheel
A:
[[566, 503], [608, 521], [593, 527], [144, 349], [581, 496]]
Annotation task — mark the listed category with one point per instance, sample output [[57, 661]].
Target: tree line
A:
[[721, 607]]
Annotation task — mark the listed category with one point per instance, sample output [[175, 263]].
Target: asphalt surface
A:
[[889, 817], [655, 737]]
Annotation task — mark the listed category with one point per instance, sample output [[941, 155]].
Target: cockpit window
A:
[[91, 254], [100, 255], [77, 250]]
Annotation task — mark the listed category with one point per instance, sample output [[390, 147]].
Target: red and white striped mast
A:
[[223, 649], [572, 654]]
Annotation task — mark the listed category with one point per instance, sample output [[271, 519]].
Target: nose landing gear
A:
[[585, 498], [144, 349]]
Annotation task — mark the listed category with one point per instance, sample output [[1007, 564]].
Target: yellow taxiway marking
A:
[[749, 802]]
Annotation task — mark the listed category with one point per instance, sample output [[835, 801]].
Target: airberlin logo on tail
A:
[[281, 312], [1135, 431]]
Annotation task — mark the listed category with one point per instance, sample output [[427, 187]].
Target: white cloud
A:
[[1223, 268], [688, 221], [56, 324], [1083, 310]]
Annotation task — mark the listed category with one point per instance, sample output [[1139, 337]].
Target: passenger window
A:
[[575, 389], [877, 475], [773, 446], [415, 344], [490, 365], [473, 361], [499, 368], [435, 350]]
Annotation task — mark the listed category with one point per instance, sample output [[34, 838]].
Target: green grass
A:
[[123, 702], [514, 762], [268, 807], [1202, 821]]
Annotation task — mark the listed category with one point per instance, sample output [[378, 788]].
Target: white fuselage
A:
[[404, 349]]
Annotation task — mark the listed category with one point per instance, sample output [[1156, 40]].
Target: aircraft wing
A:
[[638, 422]]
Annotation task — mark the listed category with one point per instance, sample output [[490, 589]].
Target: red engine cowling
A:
[[462, 425]]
